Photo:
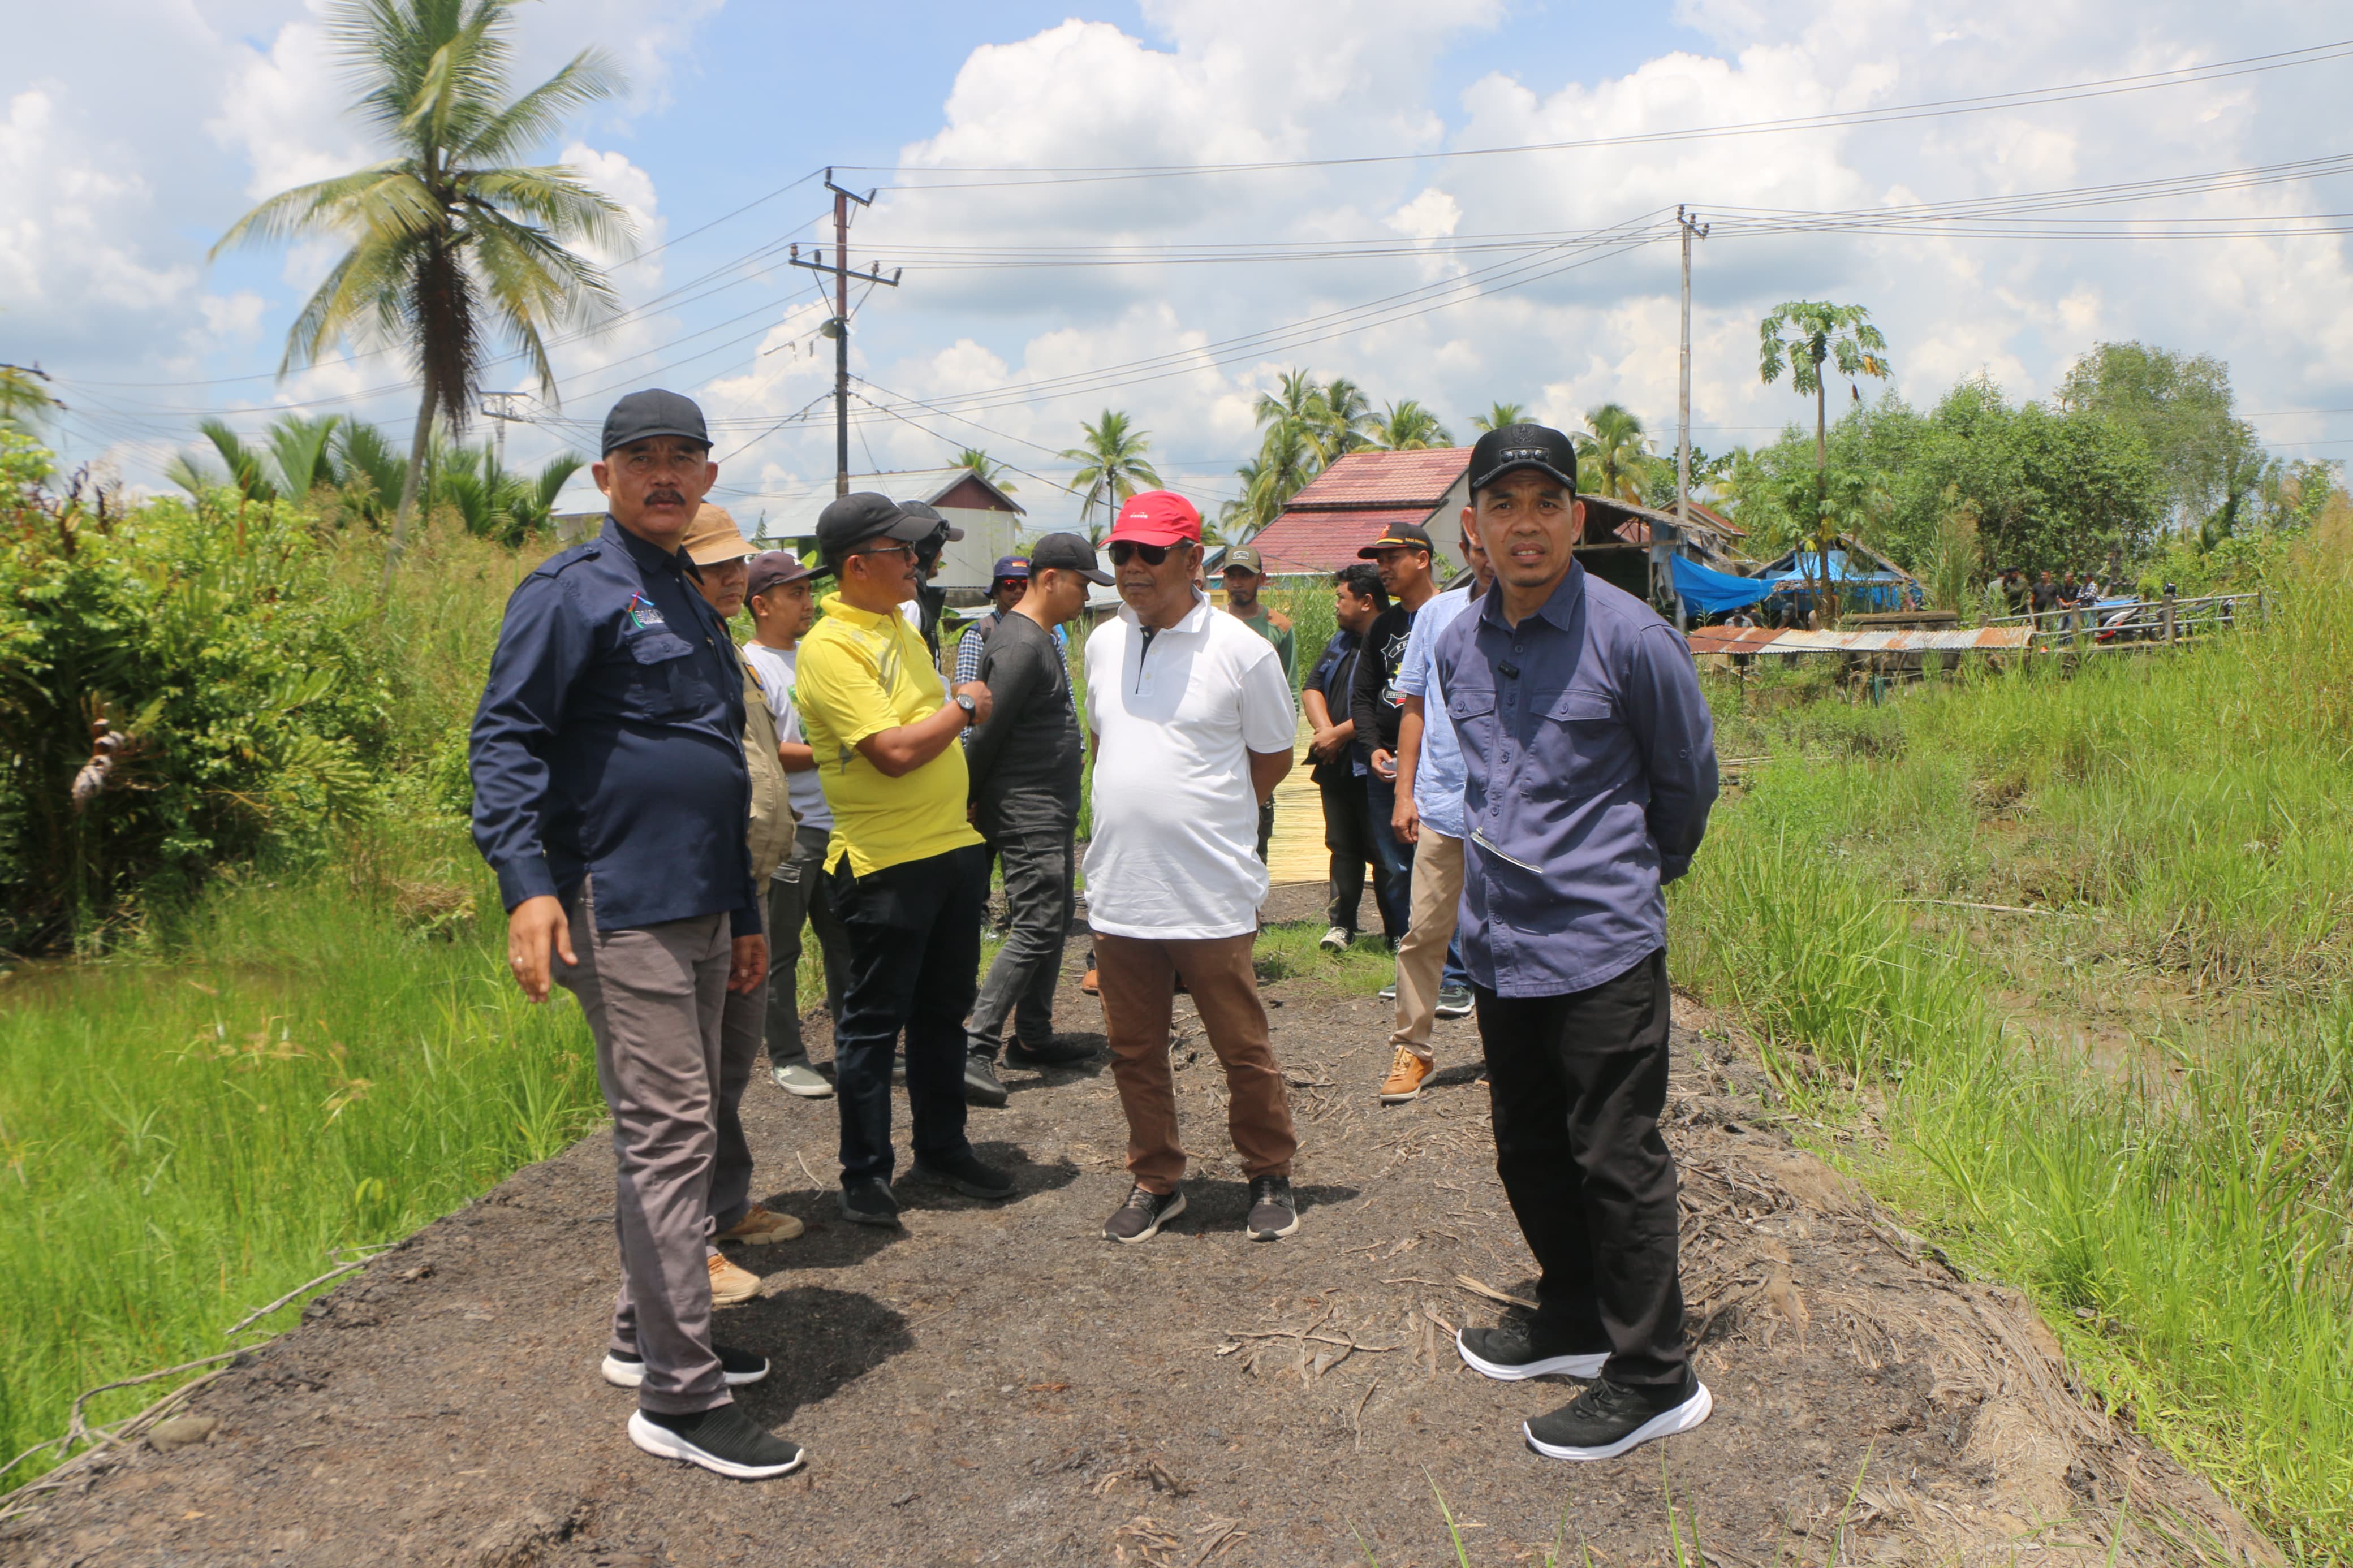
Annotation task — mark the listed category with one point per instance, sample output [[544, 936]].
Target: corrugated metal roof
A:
[[1392, 479], [1323, 540], [1767, 640], [794, 516]]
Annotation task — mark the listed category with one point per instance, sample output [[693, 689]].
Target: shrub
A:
[[247, 699]]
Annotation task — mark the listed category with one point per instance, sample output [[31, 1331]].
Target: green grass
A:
[[186, 1130], [2138, 1107]]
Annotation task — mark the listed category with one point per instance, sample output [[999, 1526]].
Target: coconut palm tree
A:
[[25, 401], [1112, 467], [987, 467], [1613, 445], [1341, 419], [1499, 415], [454, 247], [1286, 460], [1408, 426], [1297, 403], [1802, 336], [297, 458]]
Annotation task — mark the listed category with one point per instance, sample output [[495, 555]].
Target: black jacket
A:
[[1025, 761]]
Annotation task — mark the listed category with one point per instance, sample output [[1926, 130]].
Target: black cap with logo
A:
[[1516, 447], [1068, 552], [852, 519], [1399, 536], [642, 415]]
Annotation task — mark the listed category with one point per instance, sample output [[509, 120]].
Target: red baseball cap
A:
[[1156, 517]]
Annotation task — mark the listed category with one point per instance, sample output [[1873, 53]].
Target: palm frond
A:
[[535, 117]]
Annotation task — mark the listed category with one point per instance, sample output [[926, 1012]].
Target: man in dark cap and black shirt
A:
[[610, 797], [1024, 764], [1403, 553]]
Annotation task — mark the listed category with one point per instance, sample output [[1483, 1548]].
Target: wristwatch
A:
[[970, 710]]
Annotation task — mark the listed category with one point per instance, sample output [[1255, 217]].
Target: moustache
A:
[[665, 496]]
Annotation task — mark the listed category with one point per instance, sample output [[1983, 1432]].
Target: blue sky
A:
[[132, 133]]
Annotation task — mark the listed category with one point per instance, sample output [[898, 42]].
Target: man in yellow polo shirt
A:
[[907, 874]]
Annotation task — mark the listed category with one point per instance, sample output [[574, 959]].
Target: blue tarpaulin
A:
[[1711, 593]]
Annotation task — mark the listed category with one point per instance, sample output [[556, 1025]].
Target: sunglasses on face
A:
[[1127, 550], [887, 550]]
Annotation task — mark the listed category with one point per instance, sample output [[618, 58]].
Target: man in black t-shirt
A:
[[2047, 597], [1403, 553], [1024, 761]]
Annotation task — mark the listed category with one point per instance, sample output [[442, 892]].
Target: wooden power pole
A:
[[837, 328]]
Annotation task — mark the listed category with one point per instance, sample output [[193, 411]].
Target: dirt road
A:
[[996, 1383]]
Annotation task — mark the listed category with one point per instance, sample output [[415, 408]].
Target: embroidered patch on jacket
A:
[[643, 612]]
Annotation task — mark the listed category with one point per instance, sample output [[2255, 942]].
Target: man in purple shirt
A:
[[1589, 765]]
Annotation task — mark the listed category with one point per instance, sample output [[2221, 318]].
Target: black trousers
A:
[[1577, 1083], [1347, 834], [914, 940]]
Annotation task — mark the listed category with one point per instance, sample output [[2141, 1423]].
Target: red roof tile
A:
[[1399, 479], [1321, 540]]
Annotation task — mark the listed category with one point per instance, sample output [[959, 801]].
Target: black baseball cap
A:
[[1516, 447], [1068, 552], [851, 519], [1399, 536], [930, 514], [642, 416]]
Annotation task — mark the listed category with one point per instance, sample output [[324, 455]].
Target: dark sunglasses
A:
[[1127, 550], [887, 549]]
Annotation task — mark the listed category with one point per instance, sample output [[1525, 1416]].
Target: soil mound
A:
[[996, 1383]]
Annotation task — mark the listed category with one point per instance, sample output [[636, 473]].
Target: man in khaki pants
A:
[[611, 797], [723, 555], [1192, 727]]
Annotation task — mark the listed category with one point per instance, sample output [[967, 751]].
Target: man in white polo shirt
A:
[[1189, 720]]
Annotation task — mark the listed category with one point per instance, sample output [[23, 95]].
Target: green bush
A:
[[237, 667]]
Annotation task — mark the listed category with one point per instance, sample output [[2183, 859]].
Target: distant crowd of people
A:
[[1521, 760]]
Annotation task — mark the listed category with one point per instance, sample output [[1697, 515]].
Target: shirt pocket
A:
[[662, 681], [1579, 748]]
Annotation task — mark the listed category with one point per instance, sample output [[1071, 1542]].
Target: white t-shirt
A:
[[1174, 855], [778, 671]]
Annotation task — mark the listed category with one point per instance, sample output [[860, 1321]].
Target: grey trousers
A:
[[739, 1050], [797, 893], [654, 996], [1037, 902]]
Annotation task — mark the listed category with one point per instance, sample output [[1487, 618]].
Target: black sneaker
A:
[[1508, 1354], [624, 1370], [966, 1174], [870, 1203], [1141, 1217], [724, 1440], [1054, 1053], [980, 1085], [1273, 1211], [1454, 1000], [1610, 1419]]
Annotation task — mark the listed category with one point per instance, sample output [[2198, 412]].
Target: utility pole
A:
[[837, 328], [499, 408], [1689, 226]]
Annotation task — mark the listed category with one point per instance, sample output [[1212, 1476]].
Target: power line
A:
[[2109, 87]]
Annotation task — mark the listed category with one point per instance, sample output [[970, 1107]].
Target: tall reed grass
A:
[[2179, 1203], [188, 1128]]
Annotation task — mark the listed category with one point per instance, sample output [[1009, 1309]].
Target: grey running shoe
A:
[[1454, 1000], [1337, 940], [724, 1441], [1141, 1217], [1610, 1419], [1388, 992], [1510, 1353], [1273, 1212], [801, 1081]]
